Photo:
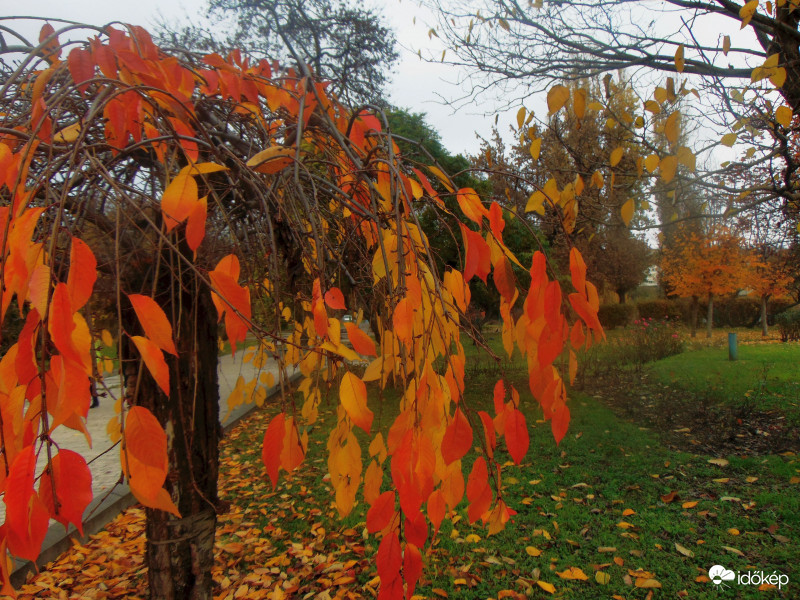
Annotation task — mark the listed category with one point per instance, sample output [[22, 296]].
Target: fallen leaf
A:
[[691, 504], [667, 498], [732, 550], [720, 462], [647, 583], [602, 577], [547, 587], [572, 573], [683, 550], [532, 551]]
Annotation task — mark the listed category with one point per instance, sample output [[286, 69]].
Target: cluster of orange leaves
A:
[[420, 349]]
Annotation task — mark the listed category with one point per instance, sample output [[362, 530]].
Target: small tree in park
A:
[[704, 266], [176, 192], [767, 275]]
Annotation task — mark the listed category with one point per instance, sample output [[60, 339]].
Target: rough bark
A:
[[180, 552]]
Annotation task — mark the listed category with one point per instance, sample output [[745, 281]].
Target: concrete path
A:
[[111, 495]]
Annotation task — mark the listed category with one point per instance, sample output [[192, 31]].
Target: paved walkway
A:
[[110, 494]]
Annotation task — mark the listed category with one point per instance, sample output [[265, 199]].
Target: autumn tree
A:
[[706, 265], [746, 83], [768, 275], [342, 42], [179, 191], [575, 172]]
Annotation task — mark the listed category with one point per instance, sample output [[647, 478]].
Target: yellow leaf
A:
[[747, 11], [720, 462], [624, 525], [651, 162], [272, 159], [735, 551], [473, 538], [647, 583], [628, 511], [572, 573], [652, 106], [504, 24], [726, 45], [616, 156], [532, 551], [520, 117], [105, 335], [579, 103], [627, 212], [690, 504], [597, 179], [547, 587], [557, 97], [683, 550], [778, 77], [672, 128], [536, 148], [353, 396], [441, 177], [602, 577], [660, 94], [679, 63], [733, 531], [69, 134], [783, 115], [668, 164], [729, 139]]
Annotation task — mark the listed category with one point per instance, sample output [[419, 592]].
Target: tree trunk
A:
[[764, 330], [622, 294], [710, 315], [695, 310], [180, 552]]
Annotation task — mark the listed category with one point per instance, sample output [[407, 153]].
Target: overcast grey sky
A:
[[415, 82]]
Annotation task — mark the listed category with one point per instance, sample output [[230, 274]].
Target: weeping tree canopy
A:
[[166, 193]]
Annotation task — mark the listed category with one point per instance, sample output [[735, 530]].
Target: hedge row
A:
[[728, 312]]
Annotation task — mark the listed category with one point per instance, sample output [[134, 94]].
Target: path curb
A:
[[105, 509]]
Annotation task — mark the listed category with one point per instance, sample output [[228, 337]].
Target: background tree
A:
[[704, 266], [180, 192], [768, 275], [342, 42]]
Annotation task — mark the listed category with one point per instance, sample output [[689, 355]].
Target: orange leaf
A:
[[52, 49], [471, 205], [60, 323], [403, 320], [381, 512], [547, 587], [457, 438], [196, 225], [516, 432], [335, 299], [578, 270], [154, 361], [178, 200], [436, 509], [154, 322], [478, 255], [70, 476], [144, 453], [82, 273], [361, 342], [353, 396], [271, 448], [412, 568], [572, 573]]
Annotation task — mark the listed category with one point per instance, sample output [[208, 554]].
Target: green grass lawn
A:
[[610, 499], [767, 375]]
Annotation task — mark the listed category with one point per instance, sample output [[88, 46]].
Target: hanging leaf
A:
[[381, 512], [516, 434], [353, 396], [521, 117], [783, 115], [535, 149], [616, 156], [196, 224], [335, 299], [179, 200], [360, 341], [557, 97], [747, 11], [726, 45], [70, 476], [679, 62], [672, 127], [627, 212], [154, 321], [154, 361], [272, 160], [272, 446], [457, 438]]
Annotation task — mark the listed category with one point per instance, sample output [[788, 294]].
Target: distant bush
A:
[[616, 315], [646, 340], [788, 323], [775, 306], [664, 309], [736, 312]]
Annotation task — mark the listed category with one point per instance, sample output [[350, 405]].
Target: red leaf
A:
[[154, 361], [361, 342], [415, 530], [496, 222], [82, 273], [478, 256], [60, 324], [154, 322], [26, 515], [457, 438], [81, 67], [388, 559], [381, 512], [271, 448], [335, 299], [412, 568], [488, 431], [51, 50], [436, 509], [72, 480], [478, 479], [560, 422], [516, 433], [504, 279]]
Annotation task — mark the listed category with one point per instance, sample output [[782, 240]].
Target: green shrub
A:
[[788, 323], [776, 306], [616, 315], [646, 340], [674, 309]]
